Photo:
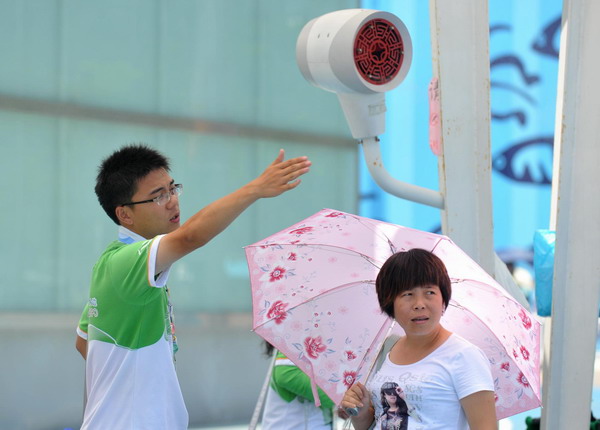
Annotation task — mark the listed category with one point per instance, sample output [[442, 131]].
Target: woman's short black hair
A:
[[409, 269]]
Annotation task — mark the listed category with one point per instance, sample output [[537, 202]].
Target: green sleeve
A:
[[291, 382]]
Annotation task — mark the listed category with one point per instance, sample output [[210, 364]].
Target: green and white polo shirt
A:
[[130, 373]]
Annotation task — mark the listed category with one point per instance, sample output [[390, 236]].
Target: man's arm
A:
[[279, 177], [81, 346]]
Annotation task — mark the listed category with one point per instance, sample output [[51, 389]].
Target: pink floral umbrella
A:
[[314, 299]]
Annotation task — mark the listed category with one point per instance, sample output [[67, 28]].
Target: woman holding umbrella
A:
[[446, 381]]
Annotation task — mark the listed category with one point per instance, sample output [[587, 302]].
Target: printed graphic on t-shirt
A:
[[394, 415], [428, 392], [397, 400]]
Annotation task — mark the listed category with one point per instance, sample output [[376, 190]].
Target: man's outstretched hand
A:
[[281, 175]]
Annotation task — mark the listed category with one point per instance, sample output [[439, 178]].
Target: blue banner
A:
[[524, 41]]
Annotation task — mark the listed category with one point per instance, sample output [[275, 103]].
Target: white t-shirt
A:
[[294, 415], [430, 389]]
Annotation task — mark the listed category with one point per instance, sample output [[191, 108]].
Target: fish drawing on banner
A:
[[517, 161], [527, 158]]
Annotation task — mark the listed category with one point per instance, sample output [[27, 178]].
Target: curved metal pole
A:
[[392, 185]]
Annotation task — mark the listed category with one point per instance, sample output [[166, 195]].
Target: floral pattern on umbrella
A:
[[314, 299]]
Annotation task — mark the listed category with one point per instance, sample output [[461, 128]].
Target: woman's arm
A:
[[480, 409], [358, 397]]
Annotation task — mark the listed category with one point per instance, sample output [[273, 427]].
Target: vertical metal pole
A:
[[576, 205], [460, 54]]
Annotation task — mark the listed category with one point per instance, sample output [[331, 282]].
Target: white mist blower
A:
[[359, 54]]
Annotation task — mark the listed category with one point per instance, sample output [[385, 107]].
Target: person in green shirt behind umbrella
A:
[[290, 401]]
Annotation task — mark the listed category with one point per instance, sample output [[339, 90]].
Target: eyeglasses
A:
[[162, 198]]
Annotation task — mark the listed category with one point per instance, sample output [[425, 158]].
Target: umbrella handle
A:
[[352, 411]]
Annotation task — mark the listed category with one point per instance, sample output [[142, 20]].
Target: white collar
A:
[[127, 236]]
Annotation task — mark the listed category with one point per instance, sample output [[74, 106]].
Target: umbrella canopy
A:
[[313, 296]]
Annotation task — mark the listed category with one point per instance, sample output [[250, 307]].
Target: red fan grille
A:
[[378, 51]]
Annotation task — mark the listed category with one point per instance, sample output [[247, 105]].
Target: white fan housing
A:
[[359, 54]]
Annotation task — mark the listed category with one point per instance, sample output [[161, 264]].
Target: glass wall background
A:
[[211, 83]]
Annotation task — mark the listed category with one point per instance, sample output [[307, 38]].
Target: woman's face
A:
[[419, 310]]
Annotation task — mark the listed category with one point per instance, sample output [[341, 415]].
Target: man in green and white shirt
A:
[[126, 331], [129, 332]]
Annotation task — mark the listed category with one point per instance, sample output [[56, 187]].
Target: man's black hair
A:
[[119, 173]]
